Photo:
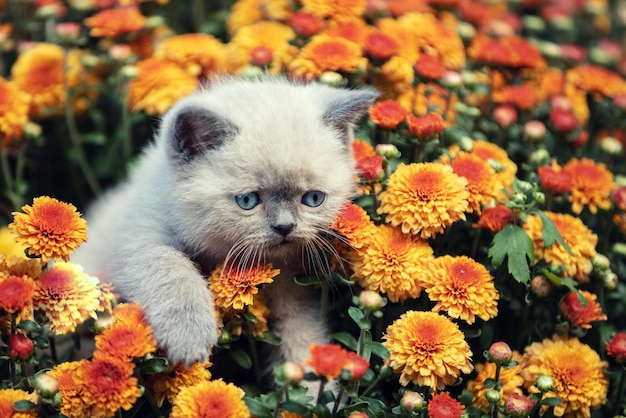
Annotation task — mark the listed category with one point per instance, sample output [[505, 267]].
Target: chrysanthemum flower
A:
[[616, 348], [9, 248], [462, 287], [424, 198], [39, 72], [580, 240], [73, 404], [200, 53], [168, 385], [14, 107], [481, 180], [160, 84], [336, 10], [579, 315], [107, 385], [592, 184], [380, 46], [429, 67], [16, 293], [427, 349], [354, 224], [234, 287], [510, 377], [236, 323], [489, 151], [115, 22], [577, 370], [130, 313], [327, 360], [392, 263], [426, 127], [387, 114], [125, 342], [596, 79], [442, 405], [66, 297], [523, 97], [511, 52], [325, 53], [210, 399], [243, 13], [554, 179], [495, 219], [305, 24], [49, 228], [9, 396]]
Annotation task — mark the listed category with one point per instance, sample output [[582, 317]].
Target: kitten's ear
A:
[[346, 108], [196, 130]]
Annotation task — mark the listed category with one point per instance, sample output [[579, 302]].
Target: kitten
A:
[[245, 170]]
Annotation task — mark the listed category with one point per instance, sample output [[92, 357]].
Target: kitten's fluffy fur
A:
[[270, 137]]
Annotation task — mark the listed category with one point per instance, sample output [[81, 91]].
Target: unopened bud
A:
[[32, 130], [331, 78], [611, 146], [412, 401], [466, 143], [451, 80], [289, 372], [387, 151], [534, 130], [545, 383], [518, 406], [539, 157], [541, 286], [46, 385], [370, 300], [610, 280], [129, 72], [539, 197], [20, 347], [493, 396], [499, 353], [496, 165]]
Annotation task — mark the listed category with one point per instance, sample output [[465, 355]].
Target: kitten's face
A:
[[270, 184]]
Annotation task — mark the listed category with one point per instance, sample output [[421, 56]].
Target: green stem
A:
[[53, 349], [11, 193], [536, 405], [320, 392], [338, 401], [371, 387], [90, 177], [620, 392], [253, 352], [284, 390]]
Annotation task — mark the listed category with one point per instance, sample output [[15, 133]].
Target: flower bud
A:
[[32, 130], [611, 146], [261, 56], [370, 300], [305, 24], [412, 401], [519, 198], [499, 353], [20, 347], [505, 115], [331, 78], [466, 143], [388, 151], [541, 286], [289, 372], [493, 396], [251, 71], [518, 406], [539, 157], [67, 33], [129, 72], [154, 21], [46, 385], [451, 80], [618, 196], [226, 337], [496, 165], [534, 24], [357, 414], [466, 31], [103, 323], [539, 197], [616, 348], [120, 52], [545, 383], [356, 365], [600, 262], [619, 248], [610, 280], [534, 130], [525, 186]]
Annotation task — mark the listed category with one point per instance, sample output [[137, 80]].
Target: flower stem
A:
[[11, 193], [320, 392], [253, 353], [338, 401], [620, 392]]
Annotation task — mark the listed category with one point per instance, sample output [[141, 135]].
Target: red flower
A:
[[563, 120], [20, 346], [327, 360], [429, 67], [618, 196], [261, 56], [426, 127], [305, 24], [495, 219], [442, 405], [387, 114], [380, 46], [617, 347], [370, 168], [579, 315], [554, 179], [518, 405], [356, 365]]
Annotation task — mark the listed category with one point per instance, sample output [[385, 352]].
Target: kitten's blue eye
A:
[[248, 201], [313, 198]]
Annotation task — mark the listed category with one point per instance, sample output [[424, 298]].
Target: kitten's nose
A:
[[283, 229]]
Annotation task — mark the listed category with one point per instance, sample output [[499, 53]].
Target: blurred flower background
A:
[[482, 264]]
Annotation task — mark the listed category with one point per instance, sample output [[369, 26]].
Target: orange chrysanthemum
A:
[[580, 240], [130, 313], [73, 404], [424, 198], [462, 287], [125, 342], [327, 360], [168, 385], [523, 97], [325, 53], [210, 399], [115, 22], [554, 179], [481, 180], [442, 405], [336, 10], [392, 262], [387, 114], [592, 184], [426, 127], [199, 53], [509, 376], [234, 287], [355, 31], [66, 297], [49, 228], [9, 396], [508, 169], [14, 107], [578, 372], [354, 224], [107, 385], [39, 72], [579, 315], [595, 79], [510, 52], [429, 67], [160, 84], [380, 46], [243, 13], [16, 293], [495, 219], [427, 349]]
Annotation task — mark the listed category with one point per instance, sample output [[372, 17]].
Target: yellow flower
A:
[[130, 313], [243, 13], [427, 349], [577, 370], [392, 262], [592, 184], [462, 287], [354, 225], [9, 396], [49, 228], [200, 53], [326, 53], [424, 198], [73, 404], [336, 10], [580, 240], [160, 84], [115, 22], [210, 399], [8, 246], [14, 107], [107, 385], [510, 377], [234, 287], [66, 297], [168, 385], [481, 180], [125, 341]]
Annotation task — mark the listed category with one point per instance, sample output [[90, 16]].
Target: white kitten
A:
[[249, 170]]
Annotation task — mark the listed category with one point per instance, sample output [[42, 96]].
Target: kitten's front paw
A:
[[186, 331]]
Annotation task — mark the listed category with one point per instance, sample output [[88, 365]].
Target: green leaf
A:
[[550, 233], [241, 358], [257, 408], [376, 408], [24, 405], [270, 338], [29, 326], [355, 314], [513, 243], [303, 280], [566, 282], [378, 348], [250, 317], [296, 407], [489, 383], [153, 366], [552, 401], [346, 339]]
